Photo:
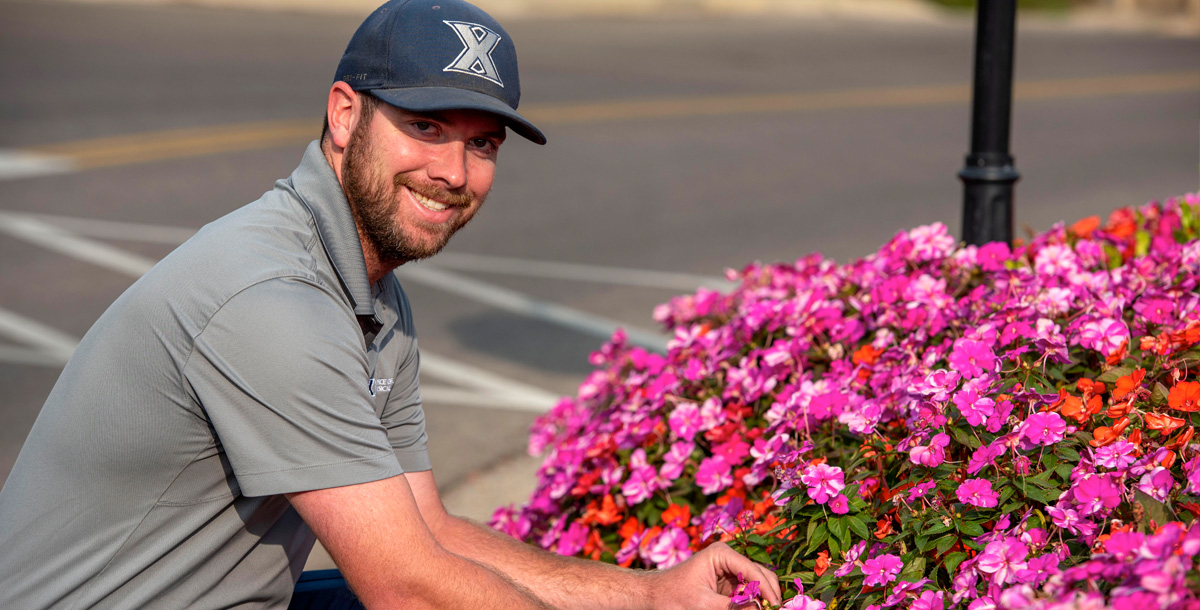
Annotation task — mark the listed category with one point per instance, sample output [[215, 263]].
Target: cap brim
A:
[[432, 99]]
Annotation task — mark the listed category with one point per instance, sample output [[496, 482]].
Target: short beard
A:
[[374, 204]]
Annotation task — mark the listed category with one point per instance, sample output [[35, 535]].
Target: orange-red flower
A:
[[1128, 383], [867, 355], [822, 563], [630, 528], [1181, 440], [1185, 396], [1105, 435], [677, 515], [1086, 226], [1087, 387], [1118, 354], [883, 528], [1163, 423]]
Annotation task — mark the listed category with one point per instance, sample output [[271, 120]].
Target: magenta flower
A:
[[803, 602], [978, 492], [881, 570], [972, 358], [823, 481], [675, 459], [1002, 559], [714, 474], [685, 421], [1045, 428], [572, 540], [984, 456], [1117, 456], [974, 407], [745, 591], [850, 559], [1096, 492], [930, 455], [1157, 483], [1104, 335], [920, 489], [930, 600], [669, 548], [839, 505]]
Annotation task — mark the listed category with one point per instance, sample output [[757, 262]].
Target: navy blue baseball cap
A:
[[430, 55]]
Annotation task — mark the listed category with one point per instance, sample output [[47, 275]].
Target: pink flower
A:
[[675, 459], [1117, 455], [1104, 335], [978, 492], [1002, 559], [1157, 483], [881, 570], [850, 559], [1096, 492], [972, 358], [803, 602], [839, 505], [1045, 428], [669, 548], [745, 591], [930, 600], [823, 481], [685, 421], [984, 456], [974, 407], [714, 474], [920, 489], [930, 455], [572, 540]]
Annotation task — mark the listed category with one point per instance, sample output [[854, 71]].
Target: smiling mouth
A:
[[428, 203]]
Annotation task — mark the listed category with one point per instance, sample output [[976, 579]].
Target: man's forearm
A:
[[564, 582]]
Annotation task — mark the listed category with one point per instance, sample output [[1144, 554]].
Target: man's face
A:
[[412, 180]]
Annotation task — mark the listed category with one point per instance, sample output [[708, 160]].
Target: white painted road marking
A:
[[48, 346], [578, 272], [511, 300], [24, 164], [62, 241]]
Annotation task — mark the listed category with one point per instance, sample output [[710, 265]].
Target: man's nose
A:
[[449, 165]]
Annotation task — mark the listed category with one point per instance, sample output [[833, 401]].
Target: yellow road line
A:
[[155, 146]]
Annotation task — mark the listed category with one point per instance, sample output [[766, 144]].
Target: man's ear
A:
[[342, 113]]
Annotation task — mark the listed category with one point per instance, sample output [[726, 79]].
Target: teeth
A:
[[428, 203]]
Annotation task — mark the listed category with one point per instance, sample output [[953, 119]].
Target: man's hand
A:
[[708, 578]]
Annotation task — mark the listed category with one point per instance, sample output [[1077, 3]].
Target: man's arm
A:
[[704, 581], [375, 534]]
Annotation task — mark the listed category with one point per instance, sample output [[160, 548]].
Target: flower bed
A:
[[932, 426]]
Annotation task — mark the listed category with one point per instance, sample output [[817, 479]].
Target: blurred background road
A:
[[679, 145]]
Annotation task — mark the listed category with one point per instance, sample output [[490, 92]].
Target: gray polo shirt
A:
[[254, 360]]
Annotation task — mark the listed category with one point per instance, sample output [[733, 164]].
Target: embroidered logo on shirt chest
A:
[[380, 386]]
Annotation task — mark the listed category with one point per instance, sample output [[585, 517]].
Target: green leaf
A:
[[759, 554], [965, 438], [1045, 496], [1064, 471], [913, 569], [1067, 452], [838, 528], [1143, 242], [938, 528], [952, 560], [859, 527], [944, 543], [1159, 512], [822, 583], [1160, 395], [921, 542], [970, 528], [1049, 461], [1042, 479], [820, 535], [1115, 373]]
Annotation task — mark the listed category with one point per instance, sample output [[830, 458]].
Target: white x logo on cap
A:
[[476, 57]]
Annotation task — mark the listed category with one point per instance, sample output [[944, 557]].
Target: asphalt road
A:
[[681, 146]]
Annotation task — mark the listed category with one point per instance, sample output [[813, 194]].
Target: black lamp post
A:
[[988, 175]]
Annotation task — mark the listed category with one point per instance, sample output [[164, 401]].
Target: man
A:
[[259, 385]]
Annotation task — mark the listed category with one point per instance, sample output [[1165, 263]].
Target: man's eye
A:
[[482, 143], [423, 125]]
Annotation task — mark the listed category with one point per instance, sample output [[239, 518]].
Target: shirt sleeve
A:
[[281, 373], [404, 414]]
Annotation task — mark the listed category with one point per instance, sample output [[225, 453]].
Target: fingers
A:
[[731, 562]]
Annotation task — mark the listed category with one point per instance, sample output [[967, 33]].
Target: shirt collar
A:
[[321, 192]]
